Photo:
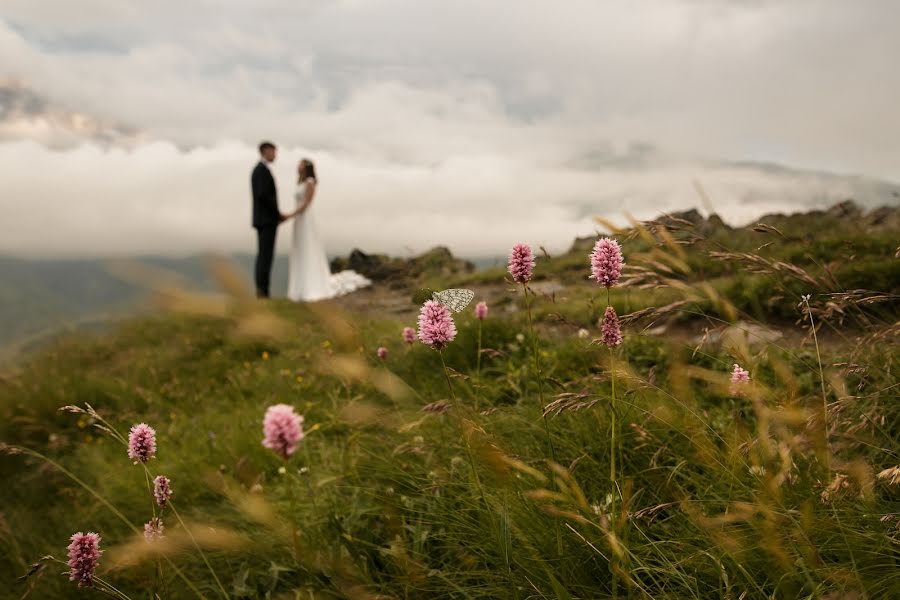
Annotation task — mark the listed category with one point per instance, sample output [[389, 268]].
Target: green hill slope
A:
[[416, 482]]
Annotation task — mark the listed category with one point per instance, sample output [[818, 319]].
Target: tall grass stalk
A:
[[812, 325], [200, 551], [105, 587], [535, 351], [501, 546], [107, 504], [462, 429], [109, 428]]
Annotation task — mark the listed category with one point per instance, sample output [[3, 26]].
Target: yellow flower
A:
[[265, 356], [315, 427], [326, 344], [299, 378]]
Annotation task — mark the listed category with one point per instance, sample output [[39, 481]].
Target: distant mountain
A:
[[38, 297]]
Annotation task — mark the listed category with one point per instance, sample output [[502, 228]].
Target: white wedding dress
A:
[[309, 277]]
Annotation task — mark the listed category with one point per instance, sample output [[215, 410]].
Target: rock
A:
[[715, 222], [691, 216], [886, 218], [847, 209], [383, 268], [583, 244]]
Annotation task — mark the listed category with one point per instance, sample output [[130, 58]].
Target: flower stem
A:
[[478, 358], [478, 365], [537, 369], [157, 574], [612, 460], [295, 538]]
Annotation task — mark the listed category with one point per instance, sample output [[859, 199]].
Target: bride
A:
[[309, 277]]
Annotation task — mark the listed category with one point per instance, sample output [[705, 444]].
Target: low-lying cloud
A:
[[131, 127], [155, 198]]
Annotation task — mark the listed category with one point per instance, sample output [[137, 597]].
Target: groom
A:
[[266, 216]]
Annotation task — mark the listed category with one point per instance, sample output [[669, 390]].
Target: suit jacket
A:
[[265, 197]]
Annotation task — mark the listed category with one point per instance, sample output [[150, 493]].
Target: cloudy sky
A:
[[130, 127]]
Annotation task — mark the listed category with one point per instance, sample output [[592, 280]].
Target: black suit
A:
[[266, 218]]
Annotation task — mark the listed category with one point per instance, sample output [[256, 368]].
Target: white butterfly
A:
[[456, 299]]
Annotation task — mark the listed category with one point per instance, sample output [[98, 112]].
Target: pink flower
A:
[[481, 310], [606, 261], [283, 429], [610, 332], [739, 376], [382, 353], [436, 326], [84, 552], [409, 335], [521, 263], [154, 530], [161, 490], [141, 443]]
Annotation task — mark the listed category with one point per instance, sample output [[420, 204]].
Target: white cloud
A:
[[428, 118]]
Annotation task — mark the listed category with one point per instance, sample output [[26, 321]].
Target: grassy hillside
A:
[[415, 482]]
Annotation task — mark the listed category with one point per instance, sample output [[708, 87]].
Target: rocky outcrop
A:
[[438, 261], [886, 218]]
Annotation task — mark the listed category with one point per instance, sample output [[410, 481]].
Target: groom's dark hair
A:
[[265, 145]]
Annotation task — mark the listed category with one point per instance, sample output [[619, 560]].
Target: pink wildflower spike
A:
[[481, 310], [610, 332], [283, 429], [436, 326], [606, 261], [382, 353], [154, 530], [161, 490], [141, 443], [739, 376], [84, 553], [521, 263], [409, 335]]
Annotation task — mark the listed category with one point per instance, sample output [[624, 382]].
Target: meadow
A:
[[559, 464]]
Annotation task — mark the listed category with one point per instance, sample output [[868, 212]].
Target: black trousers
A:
[[264, 255]]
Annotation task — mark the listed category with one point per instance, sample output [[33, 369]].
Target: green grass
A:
[[723, 491]]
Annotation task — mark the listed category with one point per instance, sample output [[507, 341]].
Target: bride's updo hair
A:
[[307, 170]]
